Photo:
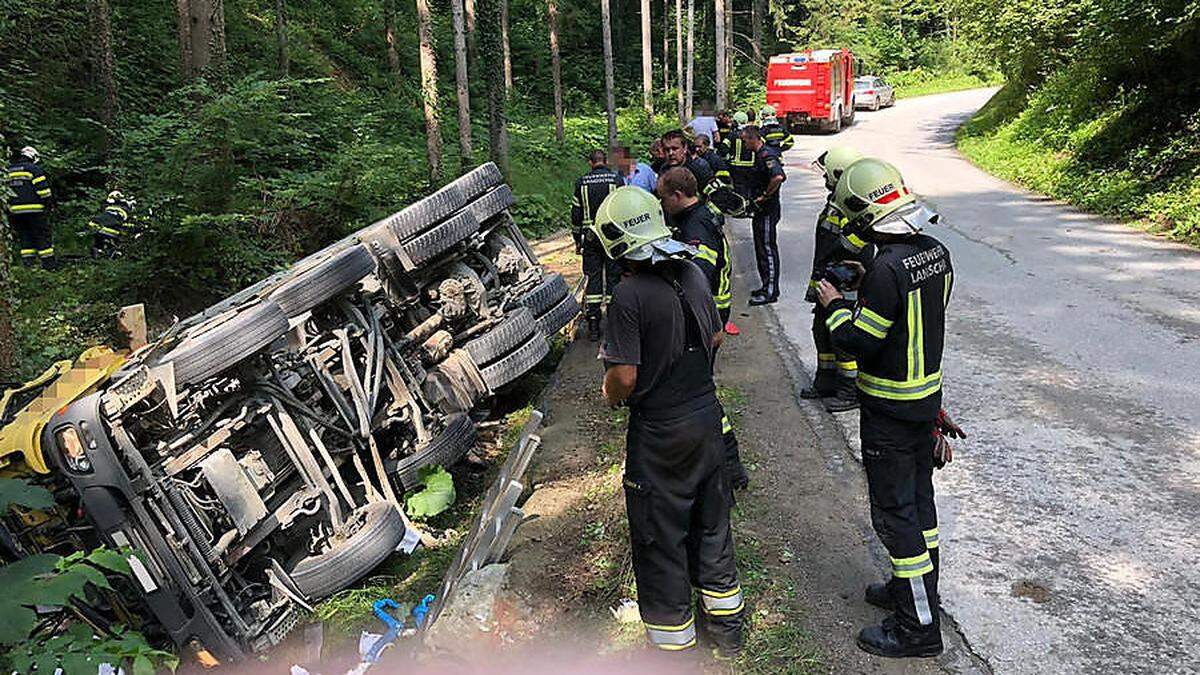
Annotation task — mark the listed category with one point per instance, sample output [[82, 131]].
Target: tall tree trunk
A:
[[490, 43], [610, 100], [201, 36], [691, 60], [105, 68], [429, 91], [8, 343], [679, 102], [666, 58], [281, 39], [720, 61], [462, 86], [647, 65], [389, 35], [508, 81], [729, 12], [556, 69], [469, 7], [757, 9]]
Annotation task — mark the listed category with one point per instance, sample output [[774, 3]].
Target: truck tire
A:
[[492, 204], [445, 450], [559, 316], [324, 280], [223, 346], [517, 363], [380, 532], [546, 295], [426, 213], [440, 237], [478, 181], [510, 333]]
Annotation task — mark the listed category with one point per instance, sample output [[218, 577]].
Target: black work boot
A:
[[894, 640], [846, 397], [880, 595], [824, 385], [593, 328]]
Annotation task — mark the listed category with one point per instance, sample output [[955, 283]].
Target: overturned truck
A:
[[252, 455]]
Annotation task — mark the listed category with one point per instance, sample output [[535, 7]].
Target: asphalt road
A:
[[1069, 518]]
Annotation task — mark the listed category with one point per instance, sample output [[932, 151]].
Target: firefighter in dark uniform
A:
[[662, 329], [681, 152], [766, 178], [702, 227], [836, 370], [725, 130], [896, 330], [28, 206], [112, 225], [773, 132], [601, 272]]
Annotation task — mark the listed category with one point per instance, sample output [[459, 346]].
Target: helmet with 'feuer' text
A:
[[872, 195], [629, 223]]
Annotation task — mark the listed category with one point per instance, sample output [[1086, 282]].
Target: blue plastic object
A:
[[394, 626], [422, 610]]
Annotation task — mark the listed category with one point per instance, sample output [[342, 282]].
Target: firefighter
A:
[[705, 151], [766, 177], [111, 226], [662, 329], [725, 128], [681, 152], [836, 370], [896, 330], [773, 132], [703, 229], [27, 208], [601, 272]]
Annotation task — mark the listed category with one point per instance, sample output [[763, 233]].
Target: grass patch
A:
[[1066, 141], [922, 83]]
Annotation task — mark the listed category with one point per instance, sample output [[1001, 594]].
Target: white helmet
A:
[[114, 197], [29, 152]]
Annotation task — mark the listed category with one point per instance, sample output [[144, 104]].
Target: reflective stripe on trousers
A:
[[672, 638], [721, 603]]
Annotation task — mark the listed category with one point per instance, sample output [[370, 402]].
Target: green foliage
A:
[[16, 492], [1105, 115], [436, 495]]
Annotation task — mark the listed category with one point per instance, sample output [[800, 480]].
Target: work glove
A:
[[943, 427]]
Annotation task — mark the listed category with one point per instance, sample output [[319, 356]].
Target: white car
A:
[[873, 93]]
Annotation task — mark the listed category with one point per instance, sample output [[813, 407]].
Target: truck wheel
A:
[[324, 280], [475, 183], [492, 204], [517, 363], [554, 320], [445, 449], [441, 237], [426, 213], [226, 344], [546, 295], [513, 331], [380, 531]]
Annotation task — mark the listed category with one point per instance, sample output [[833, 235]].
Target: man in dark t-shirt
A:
[[661, 333]]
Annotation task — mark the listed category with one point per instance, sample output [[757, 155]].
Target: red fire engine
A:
[[813, 89]]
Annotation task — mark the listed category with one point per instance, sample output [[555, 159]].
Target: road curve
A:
[[1069, 518]]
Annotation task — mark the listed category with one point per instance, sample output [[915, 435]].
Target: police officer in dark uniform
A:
[[896, 329], [112, 225], [662, 329], [766, 178], [601, 272], [703, 229], [836, 370], [28, 206]]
